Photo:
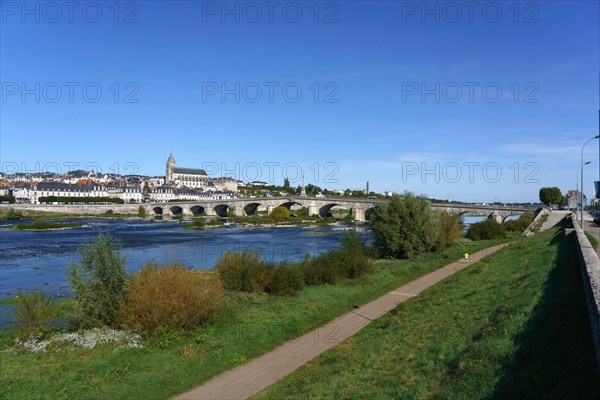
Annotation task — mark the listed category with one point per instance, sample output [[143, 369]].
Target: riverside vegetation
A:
[[195, 324]]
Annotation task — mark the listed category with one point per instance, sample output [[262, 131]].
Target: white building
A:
[[188, 177]]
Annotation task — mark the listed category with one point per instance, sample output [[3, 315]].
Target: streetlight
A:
[[581, 205]]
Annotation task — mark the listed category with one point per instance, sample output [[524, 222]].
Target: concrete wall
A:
[[527, 231], [76, 209], [590, 270]]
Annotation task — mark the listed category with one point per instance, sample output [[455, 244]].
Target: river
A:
[[32, 260]]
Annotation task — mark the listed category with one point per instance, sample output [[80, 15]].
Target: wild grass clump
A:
[[171, 298], [34, 313], [485, 230]]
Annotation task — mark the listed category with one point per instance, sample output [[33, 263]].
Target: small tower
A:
[[367, 189], [169, 171], [303, 191]]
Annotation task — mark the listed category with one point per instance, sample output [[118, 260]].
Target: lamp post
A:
[[581, 193]]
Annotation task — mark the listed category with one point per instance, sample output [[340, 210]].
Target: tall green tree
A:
[[551, 195], [405, 227], [286, 184]]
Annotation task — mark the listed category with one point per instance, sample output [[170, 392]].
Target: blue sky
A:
[[481, 104]]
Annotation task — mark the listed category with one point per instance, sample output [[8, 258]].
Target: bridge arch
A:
[[198, 210], [222, 210], [324, 210], [250, 209], [289, 204], [504, 219], [369, 213], [176, 210], [158, 210]]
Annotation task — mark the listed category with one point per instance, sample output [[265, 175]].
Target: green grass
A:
[[512, 326], [592, 239], [249, 326], [45, 226]]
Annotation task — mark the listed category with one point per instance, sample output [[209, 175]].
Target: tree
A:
[[286, 184], [448, 229], [141, 211], [405, 227], [551, 195], [98, 279]]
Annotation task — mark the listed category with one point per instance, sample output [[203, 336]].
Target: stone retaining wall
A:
[[527, 231], [590, 270]]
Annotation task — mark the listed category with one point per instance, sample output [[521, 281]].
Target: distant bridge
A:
[[360, 209]]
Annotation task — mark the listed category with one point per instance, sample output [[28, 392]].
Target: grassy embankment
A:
[[249, 326], [512, 326]]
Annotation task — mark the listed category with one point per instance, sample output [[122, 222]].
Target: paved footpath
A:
[[554, 218], [261, 372]]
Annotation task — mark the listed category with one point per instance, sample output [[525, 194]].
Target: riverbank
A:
[[169, 364], [511, 326]]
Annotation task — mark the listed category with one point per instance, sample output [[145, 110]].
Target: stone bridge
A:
[[360, 209]]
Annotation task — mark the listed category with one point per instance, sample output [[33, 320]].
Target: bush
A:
[[485, 230], [33, 314], [405, 227], [246, 272], [286, 280], [141, 211], [520, 224], [171, 298], [448, 229], [280, 213], [11, 214], [239, 270], [349, 261], [98, 281]]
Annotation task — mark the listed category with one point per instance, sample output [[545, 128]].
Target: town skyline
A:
[[373, 90]]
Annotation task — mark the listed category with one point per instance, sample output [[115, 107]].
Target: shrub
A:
[[98, 280], [485, 230], [237, 269], [520, 224], [350, 261], [33, 314], [280, 213], [141, 211], [405, 227], [171, 298], [286, 280], [245, 271], [354, 259], [448, 229], [321, 270], [11, 214]]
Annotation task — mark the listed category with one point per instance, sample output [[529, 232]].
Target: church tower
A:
[[169, 171]]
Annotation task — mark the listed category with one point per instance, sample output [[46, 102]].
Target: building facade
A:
[[188, 177]]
